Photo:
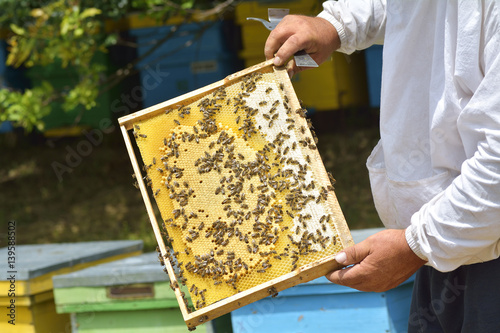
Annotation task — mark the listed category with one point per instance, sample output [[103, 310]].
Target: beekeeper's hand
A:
[[379, 263], [294, 33]]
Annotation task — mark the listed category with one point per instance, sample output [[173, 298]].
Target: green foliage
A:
[[85, 92], [70, 33], [162, 10], [57, 31], [17, 12], [26, 109]]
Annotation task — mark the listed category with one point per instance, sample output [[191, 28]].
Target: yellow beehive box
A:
[[259, 9], [253, 33], [27, 299], [338, 83], [245, 201]]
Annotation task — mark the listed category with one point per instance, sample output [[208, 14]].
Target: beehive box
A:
[[128, 295], [339, 82], [27, 293], [315, 305], [373, 58], [246, 203], [195, 54]]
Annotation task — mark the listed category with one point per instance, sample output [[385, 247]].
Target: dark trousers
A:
[[465, 300]]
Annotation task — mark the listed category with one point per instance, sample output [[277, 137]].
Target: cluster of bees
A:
[[244, 202]]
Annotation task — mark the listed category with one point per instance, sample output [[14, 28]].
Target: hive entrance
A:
[[239, 183]]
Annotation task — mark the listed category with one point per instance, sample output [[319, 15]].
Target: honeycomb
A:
[[231, 174]]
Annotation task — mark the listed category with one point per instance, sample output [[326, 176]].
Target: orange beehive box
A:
[[246, 204]]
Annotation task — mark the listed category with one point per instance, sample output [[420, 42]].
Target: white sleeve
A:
[[461, 225], [359, 23]]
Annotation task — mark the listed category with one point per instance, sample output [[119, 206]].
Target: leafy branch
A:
[[71, 33]]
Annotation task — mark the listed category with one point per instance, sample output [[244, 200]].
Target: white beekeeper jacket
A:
[[436, 169]]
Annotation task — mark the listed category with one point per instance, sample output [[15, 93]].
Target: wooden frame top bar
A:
[[154, 110]]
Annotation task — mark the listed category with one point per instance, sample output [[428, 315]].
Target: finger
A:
[[278, 36], [353, 277], [273, 43], [353, 254], [337, 276], [291, 46], [291, 68]]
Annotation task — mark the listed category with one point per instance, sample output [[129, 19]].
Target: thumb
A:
[[353, 254], [293, 69]]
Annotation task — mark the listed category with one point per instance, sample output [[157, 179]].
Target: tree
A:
[[71, 32]]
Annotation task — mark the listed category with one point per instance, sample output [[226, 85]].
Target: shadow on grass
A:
[[95, 201]]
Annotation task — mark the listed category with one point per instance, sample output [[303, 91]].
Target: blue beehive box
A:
[[373, 58], [14, 78], [321, 306], [5, 126], [195, 55], [3, 54]]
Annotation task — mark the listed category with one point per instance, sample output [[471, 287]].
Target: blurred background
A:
[[70, 68]]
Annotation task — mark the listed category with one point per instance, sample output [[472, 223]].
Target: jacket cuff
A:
[[339, 26], [411, 239]]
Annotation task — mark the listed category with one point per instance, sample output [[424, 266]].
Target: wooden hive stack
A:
[[248, 208]]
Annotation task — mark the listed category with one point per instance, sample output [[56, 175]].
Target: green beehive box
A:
[[27, 299], [129, 295]]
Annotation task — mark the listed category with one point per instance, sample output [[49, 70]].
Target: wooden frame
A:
[[302, 274]]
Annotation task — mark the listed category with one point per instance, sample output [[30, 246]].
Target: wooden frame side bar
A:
[[154, 222], [316, 162]]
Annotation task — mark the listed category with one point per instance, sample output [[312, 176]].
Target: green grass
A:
[[97, 200]]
